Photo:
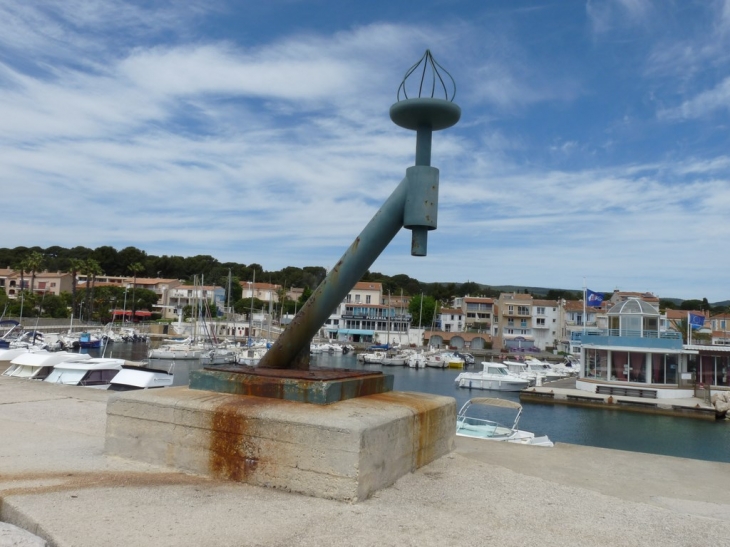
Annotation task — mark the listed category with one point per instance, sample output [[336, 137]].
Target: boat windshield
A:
[[65, 376], [498, 370]]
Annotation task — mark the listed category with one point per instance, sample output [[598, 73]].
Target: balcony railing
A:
[[628, 333]]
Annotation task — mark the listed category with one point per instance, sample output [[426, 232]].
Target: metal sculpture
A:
[[413, 205]]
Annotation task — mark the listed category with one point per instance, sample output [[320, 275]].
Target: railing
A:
[[630, 333]]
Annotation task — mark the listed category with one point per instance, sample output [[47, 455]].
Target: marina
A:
[[593, 425]]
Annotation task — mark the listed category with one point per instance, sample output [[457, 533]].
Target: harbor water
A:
[[606, 428]]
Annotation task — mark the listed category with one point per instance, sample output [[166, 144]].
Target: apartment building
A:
[[514, 326], [478, 312]]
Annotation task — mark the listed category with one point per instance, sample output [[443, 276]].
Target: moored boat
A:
[[493, 376], [476, 425]]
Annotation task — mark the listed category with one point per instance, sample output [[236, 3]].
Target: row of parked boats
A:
[[515, 375], [417, 358], [80, 369]]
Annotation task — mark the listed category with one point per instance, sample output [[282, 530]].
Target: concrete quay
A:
[[57, 483]]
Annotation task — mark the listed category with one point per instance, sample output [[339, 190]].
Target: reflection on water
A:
[[683, 437]]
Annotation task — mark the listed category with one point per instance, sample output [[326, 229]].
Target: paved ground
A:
[[56, 482]]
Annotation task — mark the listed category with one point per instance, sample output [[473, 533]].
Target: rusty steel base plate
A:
[[320, 386]]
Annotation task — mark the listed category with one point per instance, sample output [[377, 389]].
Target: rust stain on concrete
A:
[[233, 454]]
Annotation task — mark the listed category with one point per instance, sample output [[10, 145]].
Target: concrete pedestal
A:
[[344, 451]]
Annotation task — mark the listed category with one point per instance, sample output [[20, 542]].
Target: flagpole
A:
[[585, 313]]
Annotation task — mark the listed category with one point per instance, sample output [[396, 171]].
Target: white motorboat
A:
[[374, 358], [453, 359], [37, 365], [435, 360], [395, 360], [494, 376], [471, 421], [7, 355], [177, 352], [133, 377], [96, 372], [537, 366], [416, 360], [250, 356], [520, 368]]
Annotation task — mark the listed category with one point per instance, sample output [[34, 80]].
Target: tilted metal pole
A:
[[413, 204]]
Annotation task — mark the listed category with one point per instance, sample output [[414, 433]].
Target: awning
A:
[[122, 312], [143, 313], [356, 331]]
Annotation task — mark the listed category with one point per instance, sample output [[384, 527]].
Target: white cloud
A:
[[702, 104]]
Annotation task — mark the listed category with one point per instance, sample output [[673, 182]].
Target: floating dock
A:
[[564, 392]]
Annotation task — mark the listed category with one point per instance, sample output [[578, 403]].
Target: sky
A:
[[592, 147]]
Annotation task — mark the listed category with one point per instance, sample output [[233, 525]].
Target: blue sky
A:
[[593, 141]]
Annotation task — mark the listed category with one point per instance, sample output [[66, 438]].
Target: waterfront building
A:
[[188, 295], [451, 320], [43, 282], [546, 319], [634, 355], [514, 323], [364, 317], [478, 312], [720, 326]]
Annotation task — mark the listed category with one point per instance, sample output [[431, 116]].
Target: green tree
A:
[[422, 315], [306, 293]]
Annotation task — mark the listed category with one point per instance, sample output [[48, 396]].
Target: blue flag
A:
[[593, 299], [696, 321]]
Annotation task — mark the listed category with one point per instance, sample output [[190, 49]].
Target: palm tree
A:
[[94, 271], [89, 269], [135, 268], [22, 268], [33, 263], [76, 265]]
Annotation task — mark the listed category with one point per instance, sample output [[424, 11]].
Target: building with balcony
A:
[[190, 295], [546, 323], [514, 325], [364, 317], [478, 312]]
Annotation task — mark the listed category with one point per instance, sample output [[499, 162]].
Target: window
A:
[[541, 311], [41, 284], [357, 298], [523, 310], [349, 298], [367, 299], [53, 283], [540, 321]]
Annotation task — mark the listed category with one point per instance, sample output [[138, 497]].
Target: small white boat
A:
[[395, 360], [541, 367], [494, 376], [96, 372], [374, 358], [477, 426], [416, 360], [133, 377]]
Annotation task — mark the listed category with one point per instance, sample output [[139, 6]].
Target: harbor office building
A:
[[634, 357]]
